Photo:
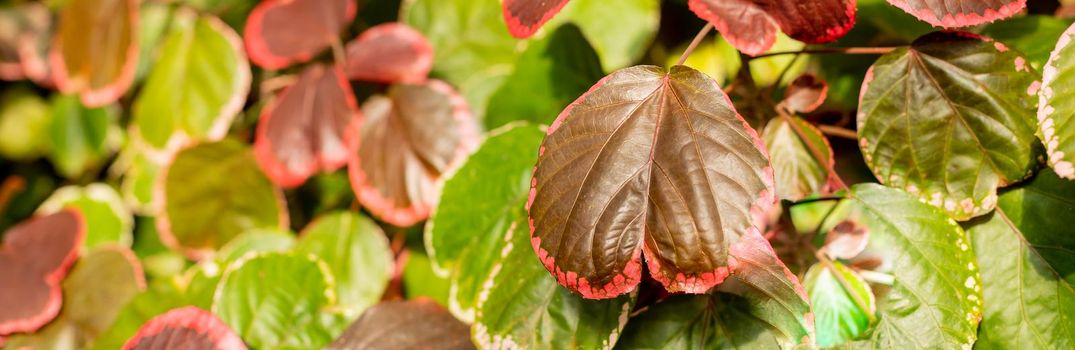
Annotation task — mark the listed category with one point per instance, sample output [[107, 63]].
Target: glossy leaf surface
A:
[[1056, 111], [960, 13], [798, 172], [751, 25], [356, 251], [95, 51], [280, 33], [32, 296], [950, 119], [389, 53], [647, 161], [415, 324], [185, 328]]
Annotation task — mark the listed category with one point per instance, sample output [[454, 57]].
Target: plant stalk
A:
[[694, 43], [834, 50]]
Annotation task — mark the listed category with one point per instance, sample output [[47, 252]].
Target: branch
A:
[[834, 50], [838, 132]]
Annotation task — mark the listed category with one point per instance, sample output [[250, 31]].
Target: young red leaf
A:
[[846, 240], [410, 138], [751, 25], [525, 17], [414, 324], [960, 13], [648, 161], [34, 259], [390, 53], [312, 125], [805, 94], [95, 51], [185, 328], [280, 33]]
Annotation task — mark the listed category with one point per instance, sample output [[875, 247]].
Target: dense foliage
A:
[[561, 174]]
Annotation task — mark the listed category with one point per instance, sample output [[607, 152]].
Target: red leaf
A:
[[185, 328], [280, 33], [390, 53], [311, 125], [410, 138], [751, 25], [525, 17], [34, 259], [805, 94], [960, 13]]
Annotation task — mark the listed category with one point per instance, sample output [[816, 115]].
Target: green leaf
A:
[[138, 182], [935, 299], [551, 73], [522, 306], [479, 204], [837, 315], [82, 138], [107, 219], [949, 119], [95, 51], [798, 172], [421, 281], [24, 124], [1027, 256], [1056, 107], [1033, 35], [274, 300], [197, 85], [214, 192], [357, 252], [617, 44], [257, 240]]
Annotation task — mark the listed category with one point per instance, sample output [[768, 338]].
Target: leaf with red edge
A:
[[25, 31], [34, 259], [310, 126], [185, 328], [280, 33], [414, 324], [411, 137], [525, 17], [648, 161], [751, 25], [960, 13], [95, 51], [805, 94], [390, 53]]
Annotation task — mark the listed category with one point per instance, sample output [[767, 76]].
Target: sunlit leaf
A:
[[799, 173], [415, 324], [389, 53], [950, 119], [752, 25], [280, 33], [648, 161], [356, 251], [185, 328], [82, 139], [411, 137], [107, 219], [24, 125], [617, 45], [258, 240], [837, 315], [1056, 111], [1026, 257], [960, 13], [34, 258], [297, 136], [95, 51]]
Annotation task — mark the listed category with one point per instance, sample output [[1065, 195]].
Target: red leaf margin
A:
[[192, 318], [521, 31], [255, 44], [415, 74], [961, 19], [111, 92]]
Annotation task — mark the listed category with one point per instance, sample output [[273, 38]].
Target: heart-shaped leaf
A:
[[525, 17], [414, 324], [960, 13], [95, 51], [197, 86], [310, 126], [650, 161], [107, 219], [185, 328], [751, 25], [950, 119], [1025, 251], [390, 53], [358, 254], [213, 192], [837, 315], [805, 94], [411, 137], [1056, 111], [82, 138], [280, 33], [799, 173], [34, 259]]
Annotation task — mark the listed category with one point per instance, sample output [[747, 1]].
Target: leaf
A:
[[751, 25], [258, 240], [137, 184], [411, 137], [551, 73], [161, 295], [936, 293], [799, 174], [389, 53], [32, 286], [612, 177], [960, 13], [805, 94], [837, 315], [421, 281], [846, 240], [213, 192], [525, 17], [297, 136], [284, 316], [95, 51], [1033, 35], [186, 328], [1026, 261], [82, 139], [414, 324], [1055, 126], [480, 202], [25, 31], [949, 119], [24, 125], [107, 219], [522, 307], [280, 33], [196, 87], [760, 306], [616, 44], [358, 254]]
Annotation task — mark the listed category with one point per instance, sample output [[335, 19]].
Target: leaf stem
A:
[[838, 132], [694, 43], [820, 254], [834, 50]]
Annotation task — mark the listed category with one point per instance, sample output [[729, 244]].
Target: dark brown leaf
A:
[[34, 259], [185, 328], [751, 25], [415, 324]]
